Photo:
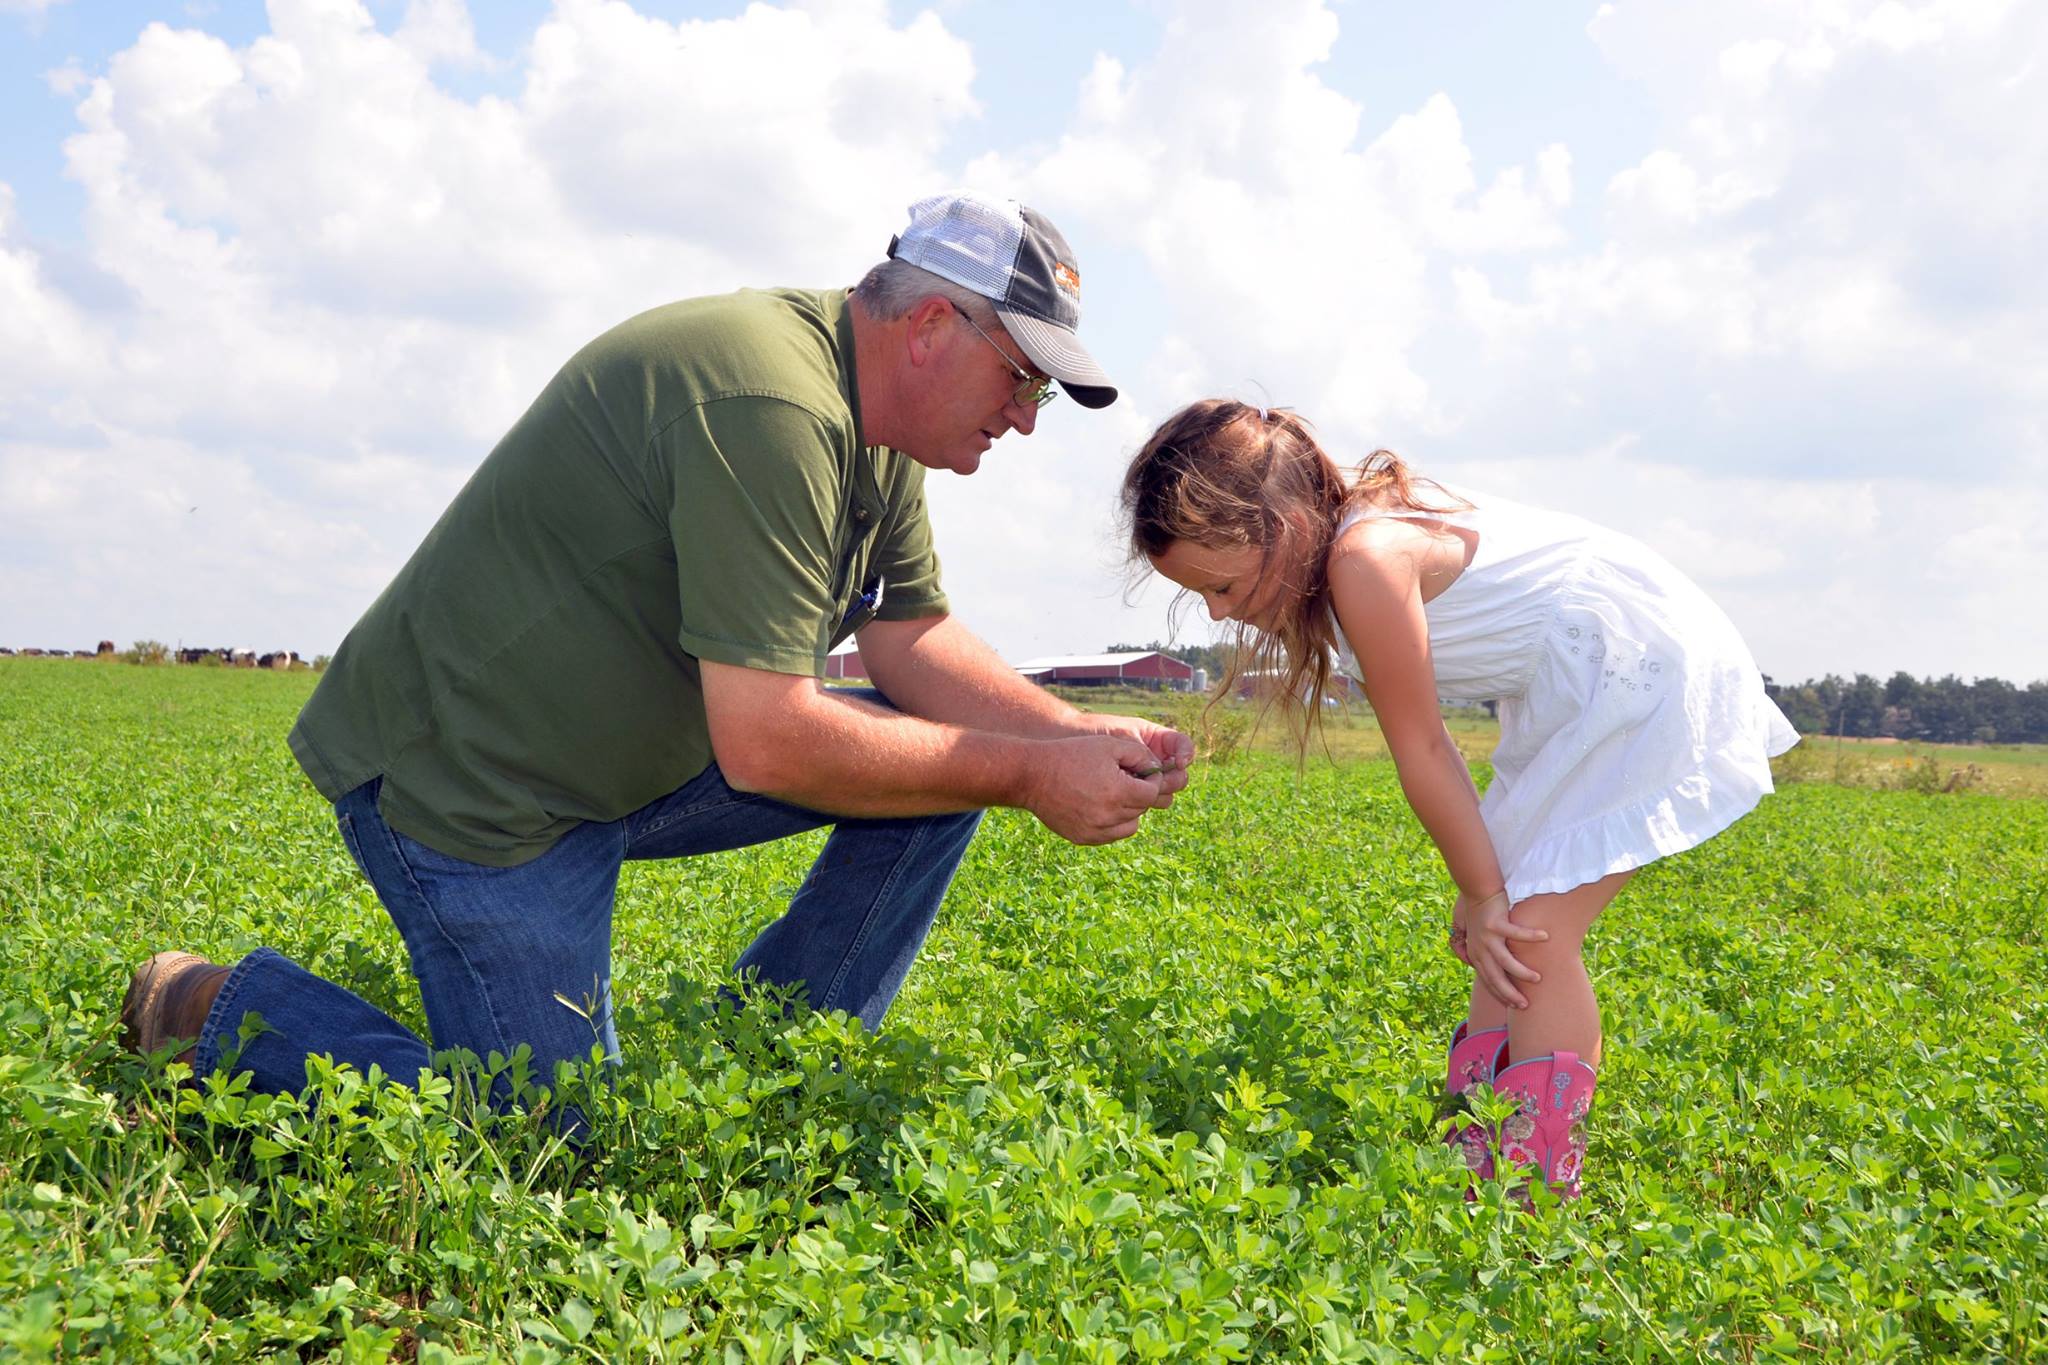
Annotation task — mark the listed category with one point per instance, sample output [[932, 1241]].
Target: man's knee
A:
[[959, 826]]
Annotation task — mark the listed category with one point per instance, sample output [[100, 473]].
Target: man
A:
[[609, 647]]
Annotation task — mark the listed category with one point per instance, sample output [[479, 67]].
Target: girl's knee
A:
[[1566, 915], [1554, 960]]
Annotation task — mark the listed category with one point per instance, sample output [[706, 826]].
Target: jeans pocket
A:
[[419, 858], [352, 843]]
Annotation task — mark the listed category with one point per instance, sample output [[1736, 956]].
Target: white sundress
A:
[[1633, 720]]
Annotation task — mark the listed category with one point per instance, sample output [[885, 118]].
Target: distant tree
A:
[[1943, 714], [1943, 710], [1861, 712], [1901, 696], [149, 652], [2033, 709], [1995, 711]]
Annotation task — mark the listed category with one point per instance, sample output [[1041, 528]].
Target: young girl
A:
[[1633, 722]]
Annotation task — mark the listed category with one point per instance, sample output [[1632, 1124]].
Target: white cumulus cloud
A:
[[332, 276], [1784, 321]]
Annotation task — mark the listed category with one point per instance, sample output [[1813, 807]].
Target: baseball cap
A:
[[1014, 257]]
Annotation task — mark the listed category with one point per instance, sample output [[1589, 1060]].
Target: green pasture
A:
[[1350, 732], [1173, 1099]]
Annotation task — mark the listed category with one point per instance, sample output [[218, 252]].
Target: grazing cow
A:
[[105, 651]]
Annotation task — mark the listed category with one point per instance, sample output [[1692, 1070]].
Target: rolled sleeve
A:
[[905, 557]]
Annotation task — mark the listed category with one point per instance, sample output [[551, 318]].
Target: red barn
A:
[[1161, 672], [844, 662]]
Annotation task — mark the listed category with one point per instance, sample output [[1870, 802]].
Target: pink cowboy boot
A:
[[1554, 1093], [1473, 1058]]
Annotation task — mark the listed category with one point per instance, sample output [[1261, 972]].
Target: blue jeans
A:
[[511, 955]]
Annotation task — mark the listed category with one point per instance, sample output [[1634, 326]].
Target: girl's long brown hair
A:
[[1228, 476]]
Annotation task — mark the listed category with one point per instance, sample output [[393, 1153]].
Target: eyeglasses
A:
[[1032, 392]]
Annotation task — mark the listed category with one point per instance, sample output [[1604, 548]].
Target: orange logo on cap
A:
[[1066, 277]]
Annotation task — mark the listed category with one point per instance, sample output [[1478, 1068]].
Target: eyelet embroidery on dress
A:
[[1636, 679]]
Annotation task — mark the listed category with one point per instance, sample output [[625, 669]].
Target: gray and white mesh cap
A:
[[1015, 258]]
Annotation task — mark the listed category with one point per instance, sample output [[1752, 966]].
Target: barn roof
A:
[[1090, 660]]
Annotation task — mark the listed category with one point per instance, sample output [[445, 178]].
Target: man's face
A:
[[969, 395]]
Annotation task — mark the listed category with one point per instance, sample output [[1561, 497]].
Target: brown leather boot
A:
[[168, 998]]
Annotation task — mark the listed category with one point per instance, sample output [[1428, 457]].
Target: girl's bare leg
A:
[[1486, 1012], [1562, 1014]]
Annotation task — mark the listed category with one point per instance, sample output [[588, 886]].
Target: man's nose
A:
[[1023, 417]]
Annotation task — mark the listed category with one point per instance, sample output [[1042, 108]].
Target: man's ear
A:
[[924, 326]]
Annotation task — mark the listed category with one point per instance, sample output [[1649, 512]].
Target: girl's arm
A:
[[1376, 588]]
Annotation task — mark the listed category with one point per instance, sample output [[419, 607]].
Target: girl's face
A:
[[1226, 579]]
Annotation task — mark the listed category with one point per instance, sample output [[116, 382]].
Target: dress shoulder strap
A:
[[1460, 516]]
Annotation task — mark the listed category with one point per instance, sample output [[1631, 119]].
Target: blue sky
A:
[[1754, 281], [1525, 79]]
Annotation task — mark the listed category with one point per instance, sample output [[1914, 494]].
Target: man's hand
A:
[[1171, 751], [785, 736], [1090, 789]]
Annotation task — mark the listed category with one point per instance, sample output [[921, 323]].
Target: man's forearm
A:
[[844, 756], [786, 736], [943, 671]]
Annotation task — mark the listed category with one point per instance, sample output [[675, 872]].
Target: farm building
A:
[[1160, 672], [844, 662]]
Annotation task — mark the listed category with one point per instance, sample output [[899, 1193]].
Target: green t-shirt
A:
[[691, 485]]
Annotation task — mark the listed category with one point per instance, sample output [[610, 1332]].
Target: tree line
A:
[[1941, 710], [1938, 710]]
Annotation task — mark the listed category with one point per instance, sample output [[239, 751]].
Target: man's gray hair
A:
[[890, 290]]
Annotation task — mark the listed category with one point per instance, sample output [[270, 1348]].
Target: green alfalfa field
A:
[[1171, 1099]]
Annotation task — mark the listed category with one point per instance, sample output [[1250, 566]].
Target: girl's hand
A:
[[1459, 930], [1489, 935]]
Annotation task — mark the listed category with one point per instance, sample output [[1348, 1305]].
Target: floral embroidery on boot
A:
[[1473, 1059], [1547, 1131]]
